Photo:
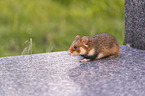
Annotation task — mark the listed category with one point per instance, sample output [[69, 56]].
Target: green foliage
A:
[[53, 24]]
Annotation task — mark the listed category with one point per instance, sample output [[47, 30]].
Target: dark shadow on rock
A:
[[89, 75]]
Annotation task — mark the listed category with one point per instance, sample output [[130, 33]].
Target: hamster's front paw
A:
[[85, 60]]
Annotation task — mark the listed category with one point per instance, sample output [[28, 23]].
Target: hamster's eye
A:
[[75, 47]]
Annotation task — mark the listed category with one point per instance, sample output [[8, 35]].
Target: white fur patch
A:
[[82, 51], [91, 52], [75, 53], [100, 55]]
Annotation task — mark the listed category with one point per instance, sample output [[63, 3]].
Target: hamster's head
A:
[[79, 46]]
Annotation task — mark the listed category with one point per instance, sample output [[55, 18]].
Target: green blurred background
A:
[[39, 26]]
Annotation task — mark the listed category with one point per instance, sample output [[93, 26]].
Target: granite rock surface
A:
[[135, 23], [60, 74]]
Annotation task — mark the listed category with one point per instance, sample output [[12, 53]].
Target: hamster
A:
[[94, 47]]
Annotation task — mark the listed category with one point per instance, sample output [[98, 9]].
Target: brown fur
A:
[[103, 43]]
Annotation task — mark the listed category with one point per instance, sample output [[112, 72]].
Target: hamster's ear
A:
[[84, 40], [77, 37]]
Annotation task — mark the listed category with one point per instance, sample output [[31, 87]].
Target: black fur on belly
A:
[[90, 57]]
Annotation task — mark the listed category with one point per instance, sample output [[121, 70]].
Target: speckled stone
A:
[[60, 74], [135, 23]]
